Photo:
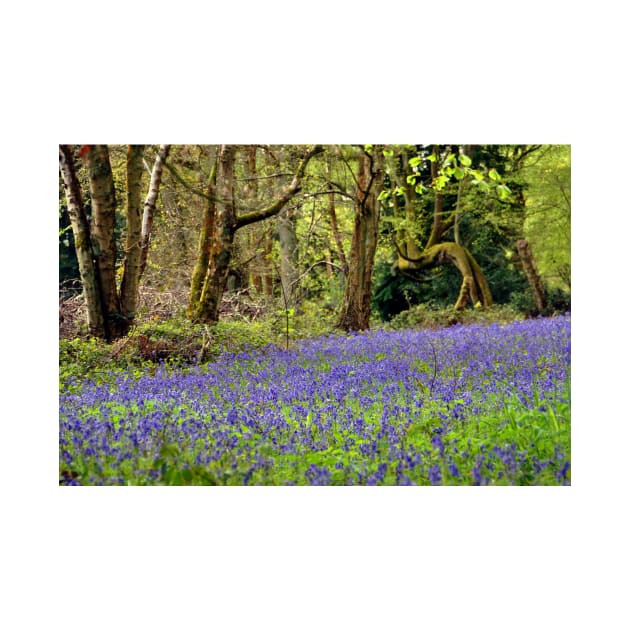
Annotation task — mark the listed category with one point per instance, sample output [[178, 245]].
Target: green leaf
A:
[[440, 182], [399, 191], [459, 173], [481, 184], [415, 161], [492, 174], [411, 179], [384, 194], [420, 189], [464, 160], [432, 157], [388, 152], [503, 191]]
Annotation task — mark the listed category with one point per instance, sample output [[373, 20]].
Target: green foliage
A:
[[393, 292], [548, 213], [235, 336], [176, 342], [81, 358], [423, 316], [558, 302]]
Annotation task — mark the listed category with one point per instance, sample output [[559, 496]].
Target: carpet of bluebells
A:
[[466, 405]]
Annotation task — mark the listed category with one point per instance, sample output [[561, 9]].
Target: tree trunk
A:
[[332, 214], [82, 243], [474, 287], [355, 310], [221, 240], [288, 257], [205, 245], [531, 272], [150, 203], [267, 277], [250, 194], [103, 226], [133, 245]]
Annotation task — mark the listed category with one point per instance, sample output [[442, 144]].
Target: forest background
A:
[[291, 240], [531, 77]]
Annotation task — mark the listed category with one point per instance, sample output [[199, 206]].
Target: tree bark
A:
[[355, 310], [289, 273], [82, 242], [103, 226], [205, 244], [474, 289], [133, 245], [267, 277], [531, 272], [332, 213], [250, 192], [150, 203], [221, 240]]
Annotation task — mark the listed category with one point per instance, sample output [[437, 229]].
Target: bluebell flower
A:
[[435, 475]]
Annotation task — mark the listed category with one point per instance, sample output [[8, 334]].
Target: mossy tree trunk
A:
[[205, 245], [355, 309], [474, 289]]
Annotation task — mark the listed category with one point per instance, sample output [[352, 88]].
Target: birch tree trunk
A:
[[150, 202], [82, 242]]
